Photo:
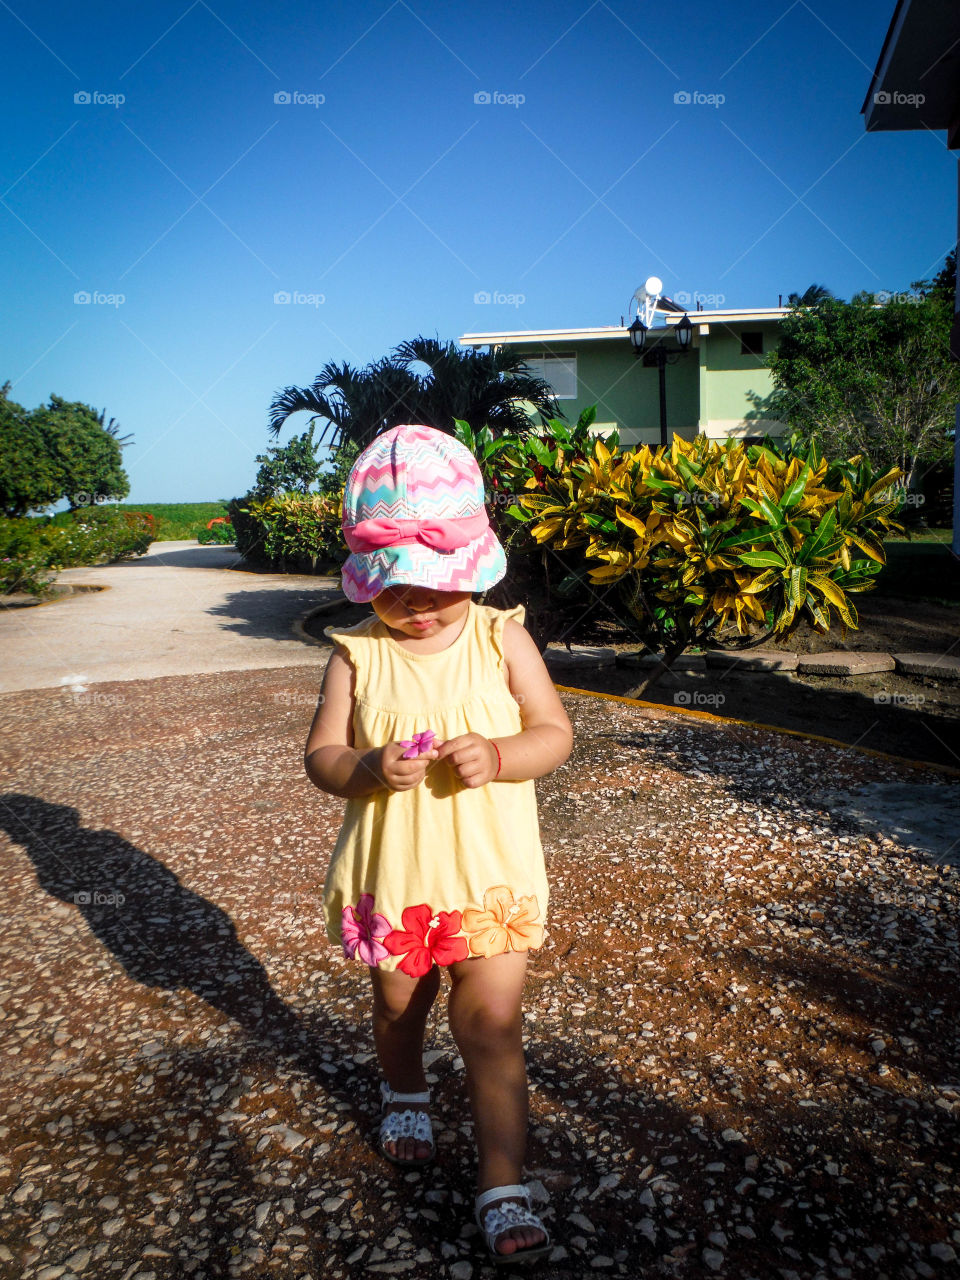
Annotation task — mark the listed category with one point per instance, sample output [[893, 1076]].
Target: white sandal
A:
[[497, 1221], [411, 1123]]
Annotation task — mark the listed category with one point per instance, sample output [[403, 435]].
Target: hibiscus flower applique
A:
[[361, 929], [427, 939], [504, 924], [419, 744]]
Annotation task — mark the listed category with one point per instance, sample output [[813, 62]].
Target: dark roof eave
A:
[[917, 76], [887, 42]]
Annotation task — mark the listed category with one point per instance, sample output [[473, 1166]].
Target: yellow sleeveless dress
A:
[[443, 872]]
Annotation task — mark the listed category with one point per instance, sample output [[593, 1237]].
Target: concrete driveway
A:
[[181, 609]]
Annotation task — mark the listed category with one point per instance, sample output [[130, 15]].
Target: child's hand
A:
[[472, 757], [400, 773]]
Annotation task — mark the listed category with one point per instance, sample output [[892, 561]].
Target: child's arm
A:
[[546, 738], [332, 762]]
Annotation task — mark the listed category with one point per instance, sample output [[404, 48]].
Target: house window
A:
[[559, 371], [751, 344]]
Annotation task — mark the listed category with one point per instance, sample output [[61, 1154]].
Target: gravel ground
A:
[[742, 1031]]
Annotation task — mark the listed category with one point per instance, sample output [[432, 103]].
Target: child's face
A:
[[420, 612]]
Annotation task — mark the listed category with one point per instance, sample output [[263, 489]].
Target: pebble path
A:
[[741, 1032]]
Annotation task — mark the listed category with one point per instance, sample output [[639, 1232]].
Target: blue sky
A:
[[383, 197]]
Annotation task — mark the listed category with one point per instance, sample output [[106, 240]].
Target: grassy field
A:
[[177, 521]]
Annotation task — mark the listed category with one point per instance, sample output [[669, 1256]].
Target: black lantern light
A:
[[659, 355], [638, 335]]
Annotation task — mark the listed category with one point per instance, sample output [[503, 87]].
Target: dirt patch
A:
[[890, 625], [741, 1029]]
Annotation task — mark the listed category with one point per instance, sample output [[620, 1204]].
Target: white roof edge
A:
[[620, 331]]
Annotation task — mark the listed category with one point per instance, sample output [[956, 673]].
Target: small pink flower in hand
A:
[[419, 744]]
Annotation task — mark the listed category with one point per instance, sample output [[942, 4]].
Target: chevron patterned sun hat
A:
[[413, 515]]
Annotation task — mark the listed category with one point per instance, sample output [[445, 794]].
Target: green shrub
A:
[[96, 535], [248, 533], [512, 466], [32, 551], [24, 561], [219, 532], [291, 532], [704, 537]]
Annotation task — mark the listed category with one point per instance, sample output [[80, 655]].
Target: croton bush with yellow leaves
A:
[[290, 532], [711, 541]]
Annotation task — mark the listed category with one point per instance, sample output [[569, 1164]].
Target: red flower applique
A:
[[426, 939]]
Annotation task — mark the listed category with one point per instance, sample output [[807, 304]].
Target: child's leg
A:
[[486, 1022], [401, 1006]]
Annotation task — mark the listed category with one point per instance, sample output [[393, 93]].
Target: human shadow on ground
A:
[[211, 556], [886, 714], [162, 933], [265, 612]]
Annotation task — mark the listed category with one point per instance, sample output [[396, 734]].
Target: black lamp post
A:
[[659, 356]]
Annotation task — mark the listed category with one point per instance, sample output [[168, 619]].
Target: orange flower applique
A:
[[503, 924]]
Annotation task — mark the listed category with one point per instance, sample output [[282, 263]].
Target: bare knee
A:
[[493, 1028], [395, 996]]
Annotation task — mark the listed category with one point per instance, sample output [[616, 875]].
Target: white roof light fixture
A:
[[646, 298]]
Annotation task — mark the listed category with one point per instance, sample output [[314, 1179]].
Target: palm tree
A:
[[484, 388], [357, 403], [112, 428], [810, 296]]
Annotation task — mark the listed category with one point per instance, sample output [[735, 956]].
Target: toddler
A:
[[436, 715]]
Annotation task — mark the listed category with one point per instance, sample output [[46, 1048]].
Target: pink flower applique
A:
[[419, 744], [361, 930]]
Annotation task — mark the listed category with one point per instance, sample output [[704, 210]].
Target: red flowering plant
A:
[[219, 532]]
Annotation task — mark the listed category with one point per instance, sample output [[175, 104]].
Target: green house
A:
[[718, 387]]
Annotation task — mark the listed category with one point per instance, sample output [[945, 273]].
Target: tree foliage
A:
[[58, 450], [28, 474], [872, 376], [813, 294], [423, 381], [289, 468]]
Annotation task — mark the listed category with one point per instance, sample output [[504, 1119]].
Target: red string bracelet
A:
[[499, 759]]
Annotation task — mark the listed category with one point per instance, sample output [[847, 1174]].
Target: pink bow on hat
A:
[[442, 535]]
